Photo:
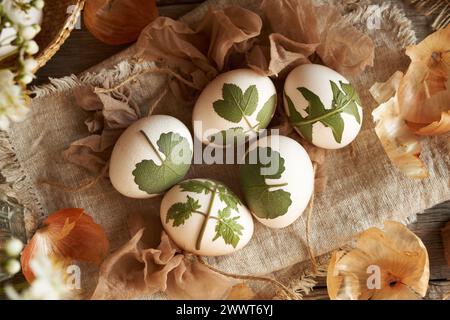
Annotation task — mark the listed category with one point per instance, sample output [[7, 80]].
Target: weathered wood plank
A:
[[436, 291], [82, 51]]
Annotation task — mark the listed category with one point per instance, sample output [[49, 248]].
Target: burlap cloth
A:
[[364, 188]]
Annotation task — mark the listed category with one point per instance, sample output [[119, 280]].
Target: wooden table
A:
[[82, 51]]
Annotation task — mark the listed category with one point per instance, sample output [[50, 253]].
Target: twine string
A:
[[156, 70], [276, 283], [309, 211], [84, 186]]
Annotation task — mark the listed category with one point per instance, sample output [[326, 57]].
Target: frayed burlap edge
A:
[[18, 185], [11, 170]]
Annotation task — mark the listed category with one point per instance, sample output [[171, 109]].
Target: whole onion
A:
[[118, 21]]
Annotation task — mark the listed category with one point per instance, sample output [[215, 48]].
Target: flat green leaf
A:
[[265, 114], [228, 228], [179, 212], [345, 100], [235, 104], [228, 197], [263, 201], [197, 186], [226, 137], [175, 155], [296, 117]]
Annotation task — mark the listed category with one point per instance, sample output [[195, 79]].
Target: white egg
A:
[[204, 217], [151, 155], [277, 180], [238, 102], [322, 106]]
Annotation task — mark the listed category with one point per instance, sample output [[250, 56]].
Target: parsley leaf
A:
[[264, 202], [153, 178], [345, 100], [180, 212], [197, 186], [228, 228]]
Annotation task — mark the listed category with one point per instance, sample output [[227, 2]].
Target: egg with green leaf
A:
[[322, 106], [234, 107], [206, 218], [277, 179], [151, 156]]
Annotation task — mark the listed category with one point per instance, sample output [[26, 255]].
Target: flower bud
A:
[[38, 4], [29, 32], [31, 47], [13, 247], [30, 65], [26, 78], [11, 266]]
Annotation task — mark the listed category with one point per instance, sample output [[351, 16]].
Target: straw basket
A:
[[60, 17]]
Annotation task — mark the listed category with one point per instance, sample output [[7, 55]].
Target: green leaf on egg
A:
[[228, 197], [197, 186], [180, 212], [237, 105], [175, 157], [266, 200], [225, 137], [344, 101], [265, 114], [228, 228]]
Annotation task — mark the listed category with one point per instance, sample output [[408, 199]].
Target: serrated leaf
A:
[[153, 178], [235, 104], [264, 202], [197, 186], [223, 137], [265, 114], [345, 100], [226, 196], [180, 212], [295, 117], [228, 228]]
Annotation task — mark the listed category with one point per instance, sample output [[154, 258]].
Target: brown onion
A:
[[118, 21]]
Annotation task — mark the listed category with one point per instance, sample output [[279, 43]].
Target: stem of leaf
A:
[[205, 222], [153, 147], [250, 127], [316, 119], [277, 185]]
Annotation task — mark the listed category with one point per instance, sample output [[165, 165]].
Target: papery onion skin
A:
[[118, 22], [399, 256], [424, 92], [66, 235]]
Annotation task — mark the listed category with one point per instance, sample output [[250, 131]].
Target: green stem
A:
[[277, 185], [205, 222], [151, 145], [316, 119]]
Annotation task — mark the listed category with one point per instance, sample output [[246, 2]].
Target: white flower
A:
[[13, 247], [29, 64], [31, 47], [39, 4], [12, 102], [29, 32], [17, 15], [11, 266], [49, 283]]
